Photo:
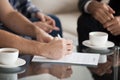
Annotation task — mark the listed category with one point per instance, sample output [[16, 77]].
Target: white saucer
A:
[[18, 63], [107, 45]]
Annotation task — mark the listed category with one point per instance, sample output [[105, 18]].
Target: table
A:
[[48, 71]]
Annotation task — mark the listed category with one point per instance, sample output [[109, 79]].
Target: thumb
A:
[[41, 16]]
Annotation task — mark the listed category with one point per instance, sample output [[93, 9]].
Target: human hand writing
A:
[[57, 48]]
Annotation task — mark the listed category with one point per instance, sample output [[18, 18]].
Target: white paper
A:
[[74, 58]]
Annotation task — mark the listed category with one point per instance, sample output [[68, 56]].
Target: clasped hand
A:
[[104, 14]]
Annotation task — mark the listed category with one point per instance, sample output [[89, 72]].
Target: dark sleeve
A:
[[115, 5], [81, 4]]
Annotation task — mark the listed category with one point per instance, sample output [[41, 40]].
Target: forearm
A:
[[19, 24], [25, 46]]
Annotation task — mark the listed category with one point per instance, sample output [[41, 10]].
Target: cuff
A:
[[86, 5]]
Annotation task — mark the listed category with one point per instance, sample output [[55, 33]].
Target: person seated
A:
[[99, 16], [14, 24], [35, 15]]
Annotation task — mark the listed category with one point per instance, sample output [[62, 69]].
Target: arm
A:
[[29, 10], [54, 48], [12, 40], [15, 21]]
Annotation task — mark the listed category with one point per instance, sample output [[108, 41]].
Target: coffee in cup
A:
[[8, 56], [98, 38]]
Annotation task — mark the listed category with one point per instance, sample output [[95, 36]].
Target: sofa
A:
[[66, 10]]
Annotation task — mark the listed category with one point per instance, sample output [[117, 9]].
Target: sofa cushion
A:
[[69, 25], [69, 22], [56, 6]]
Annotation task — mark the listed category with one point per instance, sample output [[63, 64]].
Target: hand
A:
[[44, 26], [60, 71], [42, 36], [113, 25], [46, 19], [57, 48], [101, 11]]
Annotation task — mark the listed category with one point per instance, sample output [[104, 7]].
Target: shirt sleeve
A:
[[27, 8], [81, 4], [86, 5], [31, 8]]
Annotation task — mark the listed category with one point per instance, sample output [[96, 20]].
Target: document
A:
[[87, 59]]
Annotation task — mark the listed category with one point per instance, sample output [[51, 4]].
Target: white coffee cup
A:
[[98, 38], [8, 56]]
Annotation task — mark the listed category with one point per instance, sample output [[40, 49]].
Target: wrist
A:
[[91, 6], [36, 15], [86, 6]]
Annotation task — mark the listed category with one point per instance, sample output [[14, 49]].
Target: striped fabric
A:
[[24, 6]]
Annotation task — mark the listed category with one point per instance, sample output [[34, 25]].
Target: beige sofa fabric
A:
[[56, 6]]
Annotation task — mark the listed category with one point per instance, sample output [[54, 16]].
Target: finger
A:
[[49, 27], [101, 18], [48, 30], [69, 42], [53, 27], [109, 23], [116, 33], [111, 10], [105, 15], [50, 20], [112, 30], [70, 48], [41, 16], [109, 71], [109, 16]]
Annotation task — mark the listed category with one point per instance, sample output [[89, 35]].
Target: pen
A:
[[59, 36]]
